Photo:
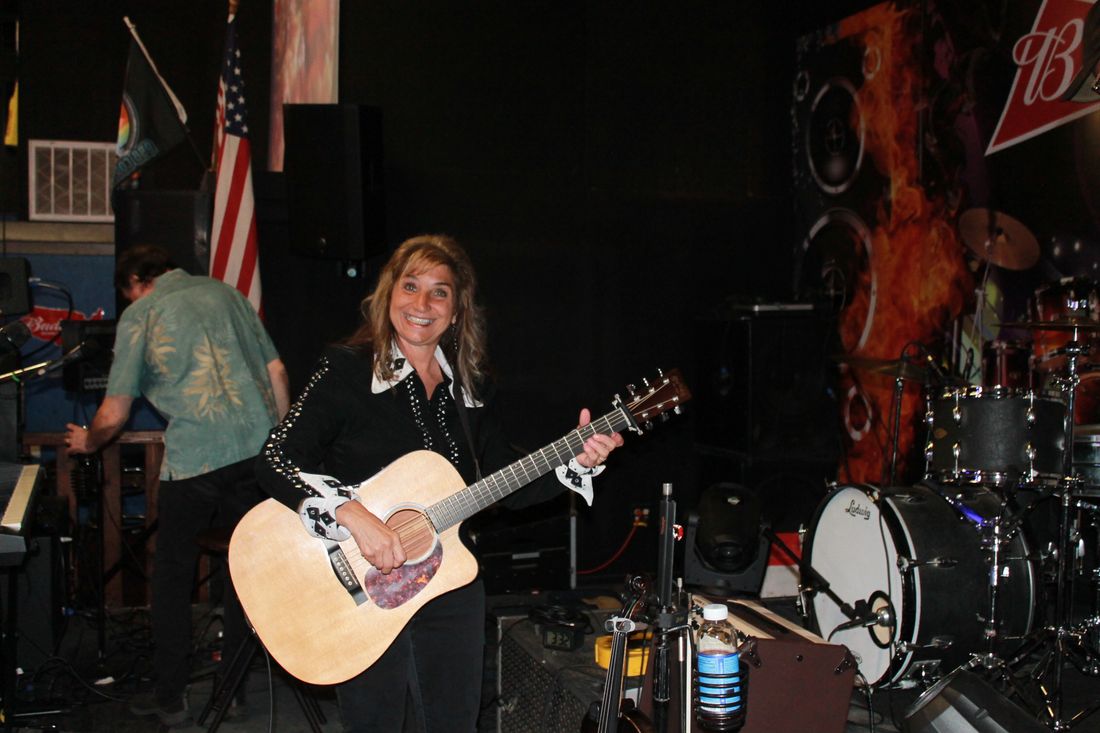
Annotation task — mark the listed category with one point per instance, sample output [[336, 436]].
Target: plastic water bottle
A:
[[719, 683]]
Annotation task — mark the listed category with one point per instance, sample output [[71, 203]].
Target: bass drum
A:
[[910, 550]]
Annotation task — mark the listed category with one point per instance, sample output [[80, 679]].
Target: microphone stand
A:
[[899, 392], [43, 368], [817, 582], [670, 620]]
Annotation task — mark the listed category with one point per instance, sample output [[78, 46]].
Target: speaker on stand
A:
[[333, 168]]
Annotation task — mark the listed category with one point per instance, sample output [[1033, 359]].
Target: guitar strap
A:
[[460, 405]]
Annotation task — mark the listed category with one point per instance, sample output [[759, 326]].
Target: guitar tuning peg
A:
[[661, 373], [648, 424], [631, 390], [665, 416], [678, 410], [645, 382]]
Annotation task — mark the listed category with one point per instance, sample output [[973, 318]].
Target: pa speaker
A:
[[178, 221], [963, 702], [763, 386], [15, 289], [333, 168]]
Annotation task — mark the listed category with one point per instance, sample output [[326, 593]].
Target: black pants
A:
[[438, 658], [215, 499]]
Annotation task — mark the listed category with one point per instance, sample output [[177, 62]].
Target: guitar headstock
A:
[[657, 398]]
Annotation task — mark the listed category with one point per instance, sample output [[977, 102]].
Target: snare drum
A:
[[924, 557], [1069, 298], [996, 437]]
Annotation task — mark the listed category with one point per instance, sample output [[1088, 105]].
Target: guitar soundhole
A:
[[416, 533], [403, 583]]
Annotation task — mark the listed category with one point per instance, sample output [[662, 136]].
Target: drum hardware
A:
[[906, 565], [934, 377], [1072, 325], [1063, 641], [936, 642]]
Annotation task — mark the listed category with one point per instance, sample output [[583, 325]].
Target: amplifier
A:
[[540, 689], [97, 339], [796, 680]]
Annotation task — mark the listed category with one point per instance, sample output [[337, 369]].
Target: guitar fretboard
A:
[[475, 497]]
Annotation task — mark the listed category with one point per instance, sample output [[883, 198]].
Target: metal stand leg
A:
[[226, 689]]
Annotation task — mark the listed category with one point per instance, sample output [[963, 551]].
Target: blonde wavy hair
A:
[[464, 342]]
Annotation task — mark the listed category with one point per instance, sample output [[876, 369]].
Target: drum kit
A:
[[978, 564]]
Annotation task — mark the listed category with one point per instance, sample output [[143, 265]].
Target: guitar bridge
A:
[[341, 567]]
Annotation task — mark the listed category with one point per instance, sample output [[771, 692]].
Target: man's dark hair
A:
[[146, 261]]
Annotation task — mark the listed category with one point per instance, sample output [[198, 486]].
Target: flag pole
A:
[[181, 113]]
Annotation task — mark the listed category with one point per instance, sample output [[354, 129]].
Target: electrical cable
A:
[[618, 553]]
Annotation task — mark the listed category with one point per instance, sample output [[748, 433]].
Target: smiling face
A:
[[422, 307]]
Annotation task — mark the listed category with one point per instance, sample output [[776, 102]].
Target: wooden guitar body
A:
[[301, 611]]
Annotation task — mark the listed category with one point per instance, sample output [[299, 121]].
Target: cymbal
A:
[[999, 239], [890, 367], [1065, 324]]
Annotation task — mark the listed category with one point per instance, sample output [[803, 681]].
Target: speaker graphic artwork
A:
[[874, 247]]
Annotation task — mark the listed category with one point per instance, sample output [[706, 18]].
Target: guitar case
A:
[[796, 680]]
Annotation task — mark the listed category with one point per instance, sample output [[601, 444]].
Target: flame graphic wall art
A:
[[916, 282]]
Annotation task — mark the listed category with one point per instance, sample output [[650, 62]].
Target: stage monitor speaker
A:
[[333, 168], [15, 289], [963, 702], [725, 550]]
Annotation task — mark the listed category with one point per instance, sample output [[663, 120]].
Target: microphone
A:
[[83, 350], [13, 335], [868, 616]]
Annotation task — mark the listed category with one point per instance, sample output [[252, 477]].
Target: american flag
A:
[[234, 256]]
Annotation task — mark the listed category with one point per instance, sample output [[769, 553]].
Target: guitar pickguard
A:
[[403, 583]]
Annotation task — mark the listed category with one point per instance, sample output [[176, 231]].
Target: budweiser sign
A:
[[1046, 60], [45, 323]]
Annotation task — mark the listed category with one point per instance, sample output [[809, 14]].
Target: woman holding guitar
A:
[[411, 378]]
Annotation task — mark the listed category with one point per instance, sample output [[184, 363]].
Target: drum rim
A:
[[995, 392], [994, 480]]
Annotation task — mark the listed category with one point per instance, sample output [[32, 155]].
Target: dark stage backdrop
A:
[[619, 173]]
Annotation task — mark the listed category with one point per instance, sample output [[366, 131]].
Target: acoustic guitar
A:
[[325, 613]]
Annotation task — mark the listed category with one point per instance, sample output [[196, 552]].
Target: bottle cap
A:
[[715, 612]]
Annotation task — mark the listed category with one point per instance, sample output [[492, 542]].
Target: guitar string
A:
[[424, 524], [421, 525], [492, 482]]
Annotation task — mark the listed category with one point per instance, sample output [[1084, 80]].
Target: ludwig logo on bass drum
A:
[[858, 510]]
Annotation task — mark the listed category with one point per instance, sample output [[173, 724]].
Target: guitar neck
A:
[[475, 497]]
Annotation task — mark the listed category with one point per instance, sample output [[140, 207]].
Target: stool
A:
[[215, 541]]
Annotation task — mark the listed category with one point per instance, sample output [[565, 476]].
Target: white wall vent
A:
[[71, 181]]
